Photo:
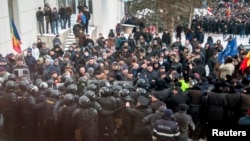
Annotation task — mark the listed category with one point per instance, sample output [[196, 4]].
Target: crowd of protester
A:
[[138, 88]]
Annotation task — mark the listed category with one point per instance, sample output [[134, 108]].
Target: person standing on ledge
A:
[[40, 19], [88, 16], [68, 13]]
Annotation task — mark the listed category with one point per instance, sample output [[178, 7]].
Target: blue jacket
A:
[[84, 20], [30, 62], [166, 129]]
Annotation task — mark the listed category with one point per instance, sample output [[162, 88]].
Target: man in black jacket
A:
[[40, 19], [185, 121], [62, 19]]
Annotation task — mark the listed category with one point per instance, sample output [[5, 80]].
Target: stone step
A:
[[70, 40], [66, 47], [71, 37], [69, 43]]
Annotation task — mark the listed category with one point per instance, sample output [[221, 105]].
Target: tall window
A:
[[90, 6], [62, 2]]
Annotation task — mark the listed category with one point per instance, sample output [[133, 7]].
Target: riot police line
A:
[[86, 110]]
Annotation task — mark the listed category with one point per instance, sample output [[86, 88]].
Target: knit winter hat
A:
[[162, 109], [168, 113]]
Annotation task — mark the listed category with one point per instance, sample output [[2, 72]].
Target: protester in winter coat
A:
[[184, 121]]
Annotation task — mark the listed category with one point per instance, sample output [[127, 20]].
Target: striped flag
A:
[[228, 12], [245, 63], [209, 10], [16, 40]]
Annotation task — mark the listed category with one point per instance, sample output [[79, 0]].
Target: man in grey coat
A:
[[184, 121]]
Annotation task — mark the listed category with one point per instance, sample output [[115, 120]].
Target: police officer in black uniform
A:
[[87, 120], [9, 105], [43, 91], [67, 124], [52, 104], [106, 122], [123, 120], [72, 88], [81, 84], [141, 131], [30, 108]]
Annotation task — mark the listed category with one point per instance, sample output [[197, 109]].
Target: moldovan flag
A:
[[245, 63], [16, 40], [209, 9], [228, 12]]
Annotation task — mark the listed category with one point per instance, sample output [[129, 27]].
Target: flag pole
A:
[[23, 58]]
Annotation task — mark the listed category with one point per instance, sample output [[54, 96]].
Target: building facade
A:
[[105, 15]]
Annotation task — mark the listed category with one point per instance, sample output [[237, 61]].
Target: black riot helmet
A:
[[82, 81], [104, 91], [69, 98], [128, 98], [127, 86], [141, 83], [141, 92], [68, 81], [71, 88], [90, 94], [55, 94], [50, 82], [64, 77], [84, 101], [49, 92], [116, 88], [105, 83], [124, 92], [33, 89], [29, 87], [92, 87], [12, 77], [10, 85], [22, 85], [96, 82], [43, 85], [38, 82]]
